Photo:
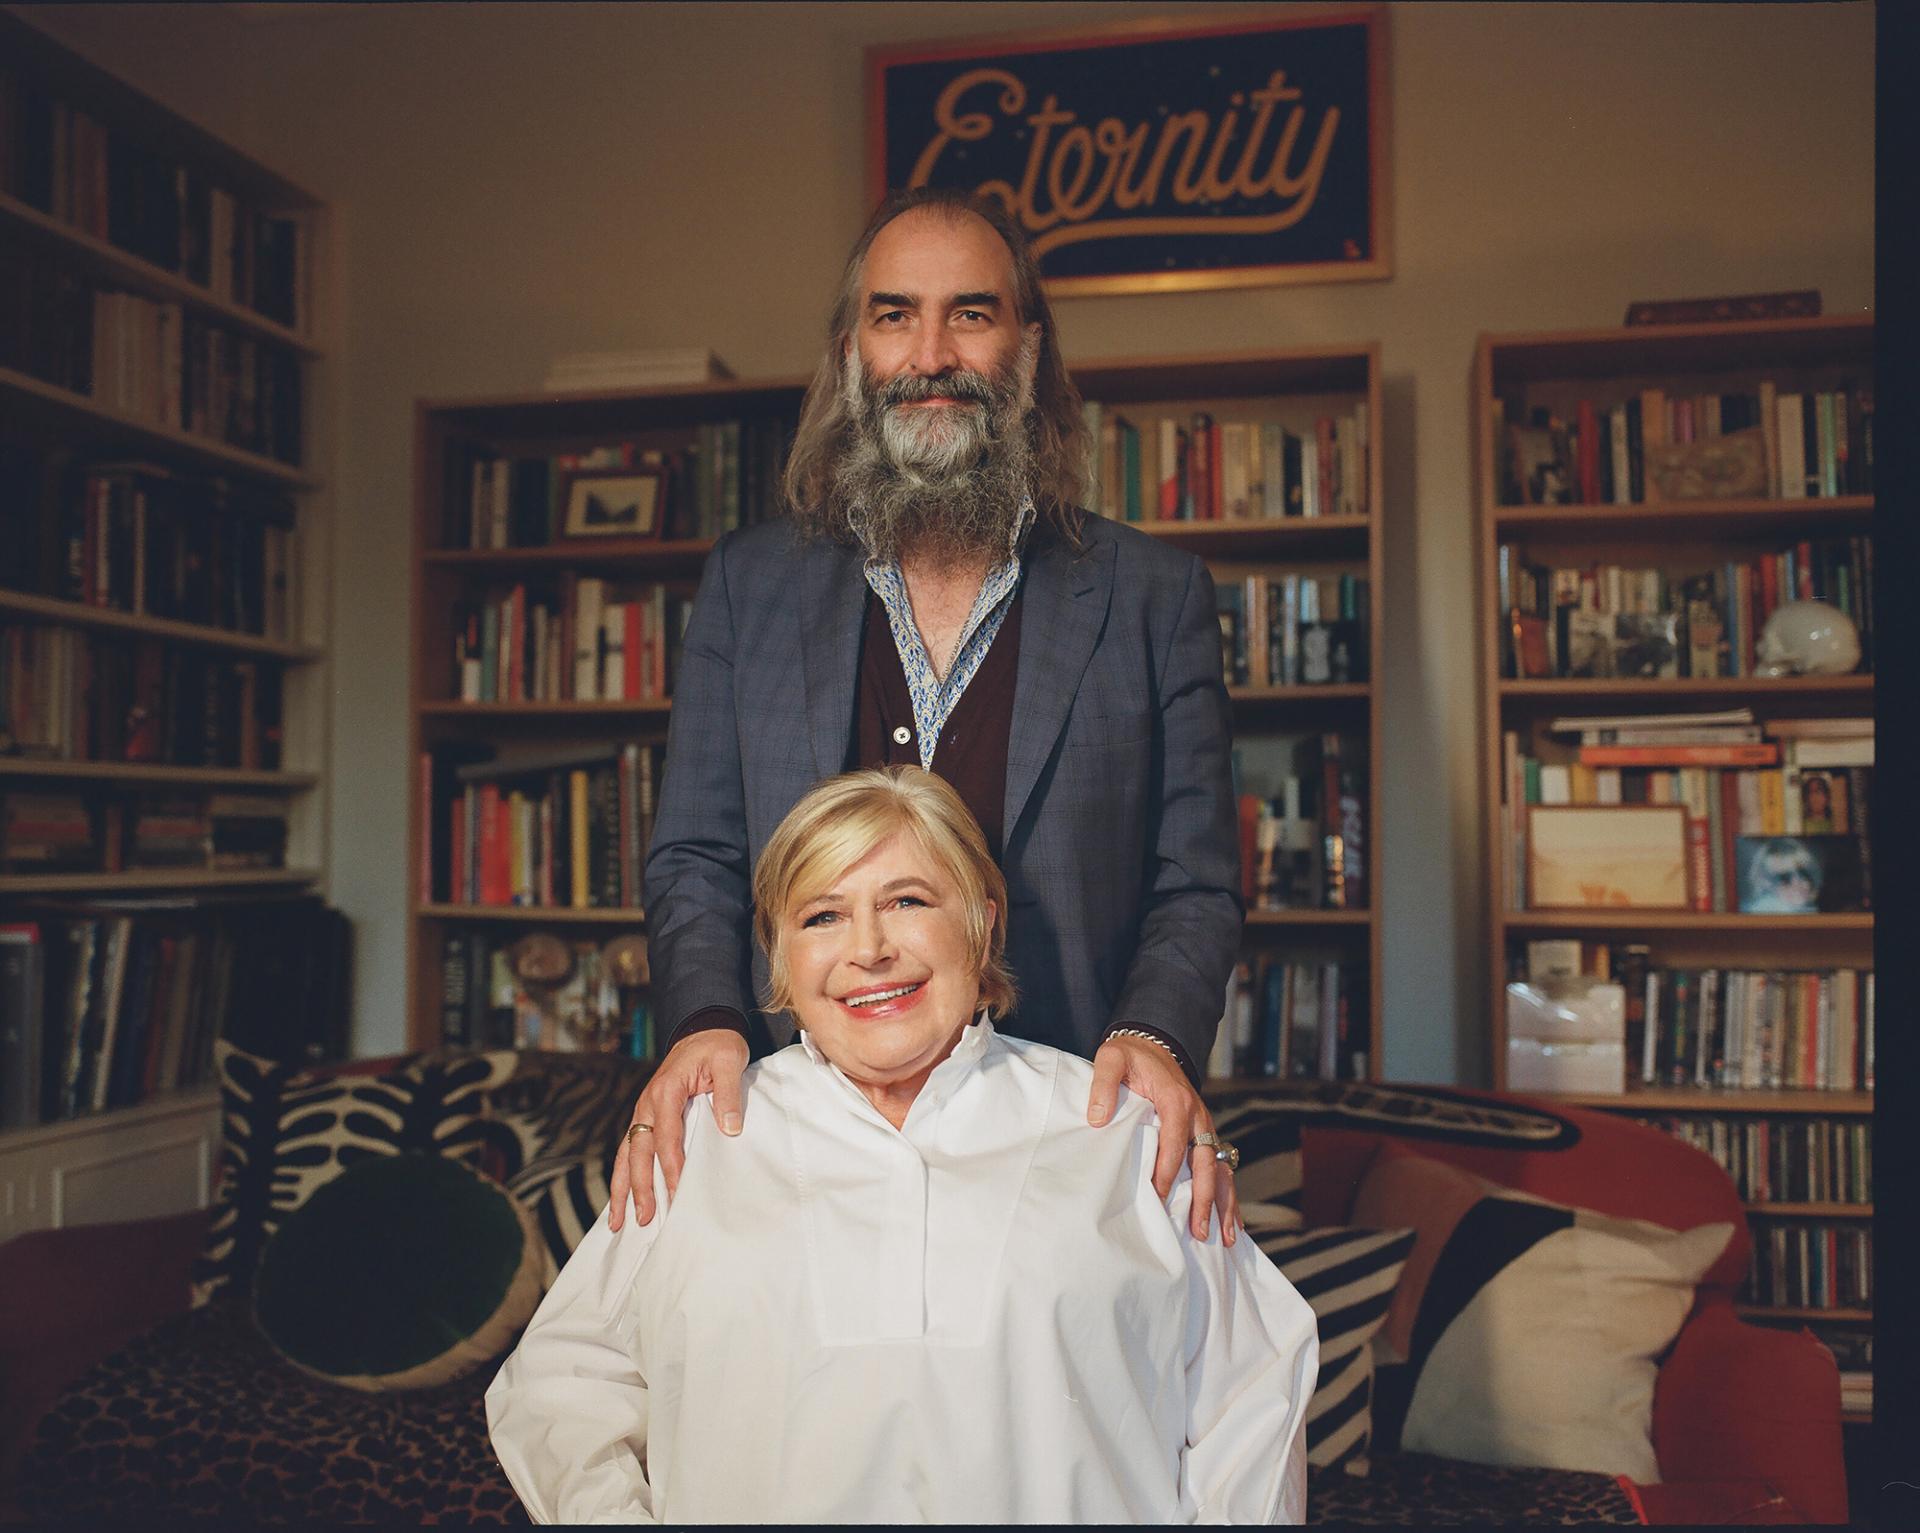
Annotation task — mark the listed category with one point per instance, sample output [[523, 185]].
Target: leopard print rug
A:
[[199, 1418]]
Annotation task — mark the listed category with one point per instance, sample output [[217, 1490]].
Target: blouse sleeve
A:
[[1252, 1359], [568, 1410]]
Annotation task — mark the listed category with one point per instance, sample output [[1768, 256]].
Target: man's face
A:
[[937, 330]]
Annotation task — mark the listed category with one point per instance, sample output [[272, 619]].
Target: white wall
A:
[[519, 181]]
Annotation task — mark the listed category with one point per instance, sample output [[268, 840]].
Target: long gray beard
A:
[[949, 484]]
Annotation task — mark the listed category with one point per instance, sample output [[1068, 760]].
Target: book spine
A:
[[1756, 754]]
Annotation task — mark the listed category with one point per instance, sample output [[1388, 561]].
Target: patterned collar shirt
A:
[[934, 699]]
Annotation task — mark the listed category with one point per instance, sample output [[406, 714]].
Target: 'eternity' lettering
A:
[[1072, 179]]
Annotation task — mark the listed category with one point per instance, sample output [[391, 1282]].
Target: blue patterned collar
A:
[[934, 699]]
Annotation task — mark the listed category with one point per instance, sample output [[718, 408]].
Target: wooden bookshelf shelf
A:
[[1682, 921], [1330, 692], [1309, 918], [1799, 1312], [76, 614], [148, 880], [617, 555], [1318, 537], [1676, 520], [1714, 1099], [1722, 689], [654, 707], [71, 408], [1811, 1210], [544, 915], [130, 271], [157, 774], [161, 1105]]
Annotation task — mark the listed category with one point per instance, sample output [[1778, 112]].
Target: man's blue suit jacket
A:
[[1121, 852]]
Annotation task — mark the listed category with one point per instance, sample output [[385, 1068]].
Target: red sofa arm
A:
[[74, 1296], [1748, 1405]]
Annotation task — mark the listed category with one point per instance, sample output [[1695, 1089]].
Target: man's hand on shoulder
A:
[[712, 1060], [1148, 1070]]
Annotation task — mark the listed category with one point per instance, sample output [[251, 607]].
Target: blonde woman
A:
[[917, 1287]]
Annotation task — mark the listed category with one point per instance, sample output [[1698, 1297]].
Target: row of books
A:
[[1294, 1019], [70, 695], [485, 1005], [1781, 1160], [111, 831], [1764, 840], [592, 641], [1197, 468], [115, 185], [139, 538], [109, 1003], [1604, 620], [1305, 848], [1648, 447], [1812, 1265], [153, 360], [561, 829], [1293, 629], [728, 476], [164, 363]]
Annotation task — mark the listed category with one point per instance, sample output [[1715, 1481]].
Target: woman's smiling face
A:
[[881, 972]]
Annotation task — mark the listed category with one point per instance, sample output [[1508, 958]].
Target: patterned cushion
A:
[[1525, 1332], [565, 1195], [1266, 1132], [559, 1106], [1348, 1277], [403, 1272], [1265, 1123], [290, 1130]]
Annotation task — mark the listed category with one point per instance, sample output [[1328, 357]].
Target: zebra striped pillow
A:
[[1266, 1131], [1347, 1276], [290, 1129], [565, 1194]]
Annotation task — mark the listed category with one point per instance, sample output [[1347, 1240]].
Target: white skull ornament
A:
[[1808, 638]]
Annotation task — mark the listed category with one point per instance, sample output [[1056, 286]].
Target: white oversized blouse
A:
[[986, 1315]]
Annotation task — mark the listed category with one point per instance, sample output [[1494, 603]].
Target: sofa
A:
[[123, 1401]]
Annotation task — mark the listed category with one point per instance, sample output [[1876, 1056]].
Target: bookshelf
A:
[[164, 423], [1764, 1134], [450, 575]]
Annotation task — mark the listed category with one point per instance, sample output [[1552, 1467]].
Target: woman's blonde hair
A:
[[843, 819]]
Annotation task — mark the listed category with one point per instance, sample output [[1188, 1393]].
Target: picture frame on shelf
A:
[[1607, 857], [1733, 466], [613, 502], [1800, 875], [1541, 471]]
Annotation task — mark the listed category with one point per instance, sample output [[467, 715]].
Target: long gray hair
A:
[[1056, 429]]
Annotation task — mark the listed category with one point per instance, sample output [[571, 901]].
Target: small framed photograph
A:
[[613, 503], [1541, 470], [1800, 875], [1607, 856]]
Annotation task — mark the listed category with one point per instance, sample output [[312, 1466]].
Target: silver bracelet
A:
[[1135, 1032]]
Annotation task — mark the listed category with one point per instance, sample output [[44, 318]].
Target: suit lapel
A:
[[1063, 608], [833, 595]]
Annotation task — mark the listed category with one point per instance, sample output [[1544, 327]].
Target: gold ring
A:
[[1228, 1156], [639, 1128]]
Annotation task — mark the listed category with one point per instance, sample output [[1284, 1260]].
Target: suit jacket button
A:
[[902, 735]]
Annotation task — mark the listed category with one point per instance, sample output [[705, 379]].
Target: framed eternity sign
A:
[[1156, 156]]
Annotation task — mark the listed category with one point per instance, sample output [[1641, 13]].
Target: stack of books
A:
[[588, 371]]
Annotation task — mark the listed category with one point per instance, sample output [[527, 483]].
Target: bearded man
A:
[[936, 597]]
